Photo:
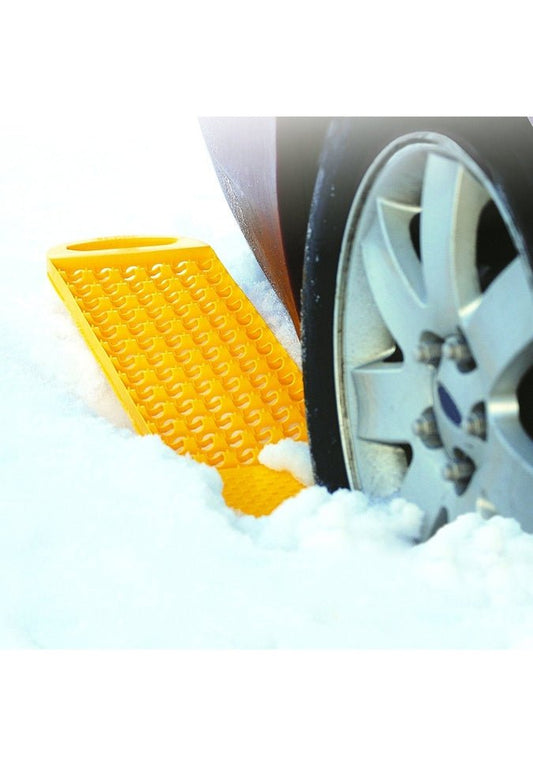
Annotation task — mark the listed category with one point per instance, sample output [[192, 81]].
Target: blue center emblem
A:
[[449, 406]]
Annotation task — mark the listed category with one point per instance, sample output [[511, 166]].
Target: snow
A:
[[289, 455], [110, 540]]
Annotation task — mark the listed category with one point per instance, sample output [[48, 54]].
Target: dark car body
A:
[[267, 168]]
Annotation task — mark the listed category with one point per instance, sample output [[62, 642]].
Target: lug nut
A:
[[428, 352], [426, 428], [455, 347], [485, 507], [476, 425], [458, 470]]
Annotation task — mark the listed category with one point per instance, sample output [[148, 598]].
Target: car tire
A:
[[352, 315]]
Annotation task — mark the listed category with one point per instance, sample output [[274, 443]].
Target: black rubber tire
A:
[[501, 146]]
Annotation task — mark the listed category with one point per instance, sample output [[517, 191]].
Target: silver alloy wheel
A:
[[434, 337]]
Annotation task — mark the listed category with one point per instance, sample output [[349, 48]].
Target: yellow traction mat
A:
[[188, 356]]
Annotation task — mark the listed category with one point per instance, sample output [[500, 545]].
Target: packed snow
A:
[[111, 540], [289, 455]]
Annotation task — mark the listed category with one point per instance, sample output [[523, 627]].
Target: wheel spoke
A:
[[394, 272], [395, 220], [499, 327], [506, 478], [451, 205], [390, 396], [423, 485]]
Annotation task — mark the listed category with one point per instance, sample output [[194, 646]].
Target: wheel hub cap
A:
[[429, 356], [447, 405]]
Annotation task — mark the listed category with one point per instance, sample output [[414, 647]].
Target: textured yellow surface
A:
[[187, 354], [256, 489]]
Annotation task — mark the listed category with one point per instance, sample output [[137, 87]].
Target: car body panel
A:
[[267, 169]]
